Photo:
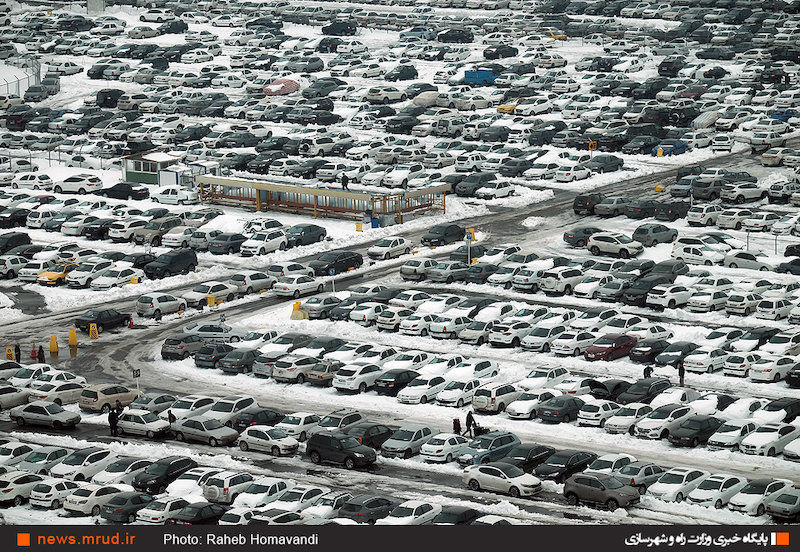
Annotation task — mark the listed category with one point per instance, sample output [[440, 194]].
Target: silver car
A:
[[154, 402], [42, 459], [158, 304], [406, 441], [44, 413], [204, 430], [249, 282], [320, 305], [447, 271], [11, 396]]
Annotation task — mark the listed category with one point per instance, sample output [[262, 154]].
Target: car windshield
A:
[[212, 424], [692, 424], [788, 498], [36, 457], [401, 511], [711, 484], [403, 435], [755, 487], [481, 443], [292, 420]]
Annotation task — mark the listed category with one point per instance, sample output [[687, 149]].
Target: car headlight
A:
[[358, 455]]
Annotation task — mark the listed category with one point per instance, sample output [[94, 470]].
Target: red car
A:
[[610, 347]]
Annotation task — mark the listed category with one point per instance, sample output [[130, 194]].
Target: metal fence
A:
[[33, 75]]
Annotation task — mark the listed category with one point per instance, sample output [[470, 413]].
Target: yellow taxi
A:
[[56, 275], [509, 106], [555, 34]]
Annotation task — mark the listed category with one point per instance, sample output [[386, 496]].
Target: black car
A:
[[400, 73], [694, 430], [125, 190], [675, 353], [562, 464], [583, 204], [672, 210], [370, 434], [636, 295], [123, 506], [305, 234], [456, 515], [644, 390], [610, 389], [641, 208], [366, 508], [339, 448], [443, 234], [105, 319], [479, 273], [208, 355], [10, 240], [239, 361], [336, 262], [342, 310], [418, 88], [578, 237], [340, 28], [179, 261], [470, 184], [257, 416], [226, 243], [790, 267], [559, 409], [13, 217], [792, 378], [199, 513], [461, 36], [139, 260], [641, 144], [647, 350], [98, 229], [528, 456], [393, 381], [155, 478], [466, 253]]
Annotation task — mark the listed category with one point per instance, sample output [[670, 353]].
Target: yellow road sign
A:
[[10, 353], [93, 331]]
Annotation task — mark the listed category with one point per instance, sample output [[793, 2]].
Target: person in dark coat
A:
[[171, 417], [470, 423], [681, 373], [118, 407], [345, 181], [648, 371], [17, 354], [113, 418], [456, 426], [40, 355]]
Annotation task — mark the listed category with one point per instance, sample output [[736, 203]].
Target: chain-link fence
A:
[[32, 75]]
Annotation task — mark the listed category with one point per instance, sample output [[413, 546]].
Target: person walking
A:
[[648, 371], [113, 418], [40, 355], [470, 424], [681, 373], [345, 181], [171, 417], [456, 426], [17, 354], [118, 407]]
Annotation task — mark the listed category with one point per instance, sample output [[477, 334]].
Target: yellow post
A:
[[53, 344], [359, 227], [10, 353], [73, 337], [296, 306], [659, 152], [93, 331], [210, 300]]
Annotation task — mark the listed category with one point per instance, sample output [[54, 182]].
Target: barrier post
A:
[[53, 345], [73, 337], [10, 353], [211, 300], [93, 331]]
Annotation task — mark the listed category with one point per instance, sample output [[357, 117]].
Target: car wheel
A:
[[362, 388], [771, 452], [55, 505], [179, 436], [572, 499], [567, 290], [20, 421], [296, 293], [157, 314], [106, 407], [315, 457], [760, 510], [57, 189], [679, 497], [594, 250], [423, 399], [213, 442], [460, 403], [150, 435], [565, 419], [449, 280], [612, 504], [95, 510], [623, 254], [275, 451], [474, 485], [515, 342]]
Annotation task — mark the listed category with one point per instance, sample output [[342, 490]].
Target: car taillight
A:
[[118, 511], [633, 481]]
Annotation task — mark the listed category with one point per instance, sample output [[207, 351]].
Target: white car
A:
[[83, 464], [262, 491], [769, 439], [771, 368], [610, 463], [190, 405], [597, 412], [503, 478], [264, 242], [421, 390], [191, 482], [705, 360], [444, 447], [299, 498], [625, 419], [754, 497], [668, 296], [79, 184], [572, 343], [159, 511], [298, 425], [123, 470], [366, 314], [51, 492], [738, 364], [411, 512], [90, 499], [540, 378], [730, 434], [295, 286], [142, 422], [716, 490], [661, 420], [268, 439], [85, 274], [677, 483], [457, 393], [392, 246], [524, 407], [17, 486], [115, 277]]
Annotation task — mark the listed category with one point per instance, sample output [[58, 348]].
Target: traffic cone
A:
[[130, 322], [33, 352]]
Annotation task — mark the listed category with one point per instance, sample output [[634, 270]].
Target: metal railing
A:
[[33, 75]]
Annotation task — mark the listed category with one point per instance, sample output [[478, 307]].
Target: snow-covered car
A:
[[730, 434], [457, 393], [716, 490], [524, 407], [123, 470], [116, 277], [753, 498], [299, 424], [769, 439], [268, 439], [411, 512], [677, 483]]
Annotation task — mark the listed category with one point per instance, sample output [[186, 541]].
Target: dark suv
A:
[[637, 293], [179, 261], [644, 390], [304, 234], [336, 262], [338, 448], [583, 204], [159, 474], [10, 240]]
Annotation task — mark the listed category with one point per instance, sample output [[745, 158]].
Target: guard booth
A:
[[185, 176], [144, 167], [262, 195]]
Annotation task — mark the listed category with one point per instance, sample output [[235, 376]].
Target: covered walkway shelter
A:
[[268, 195]]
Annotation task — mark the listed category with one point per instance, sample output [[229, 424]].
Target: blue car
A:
[[488, 448], [783, 114], [670, 147]]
